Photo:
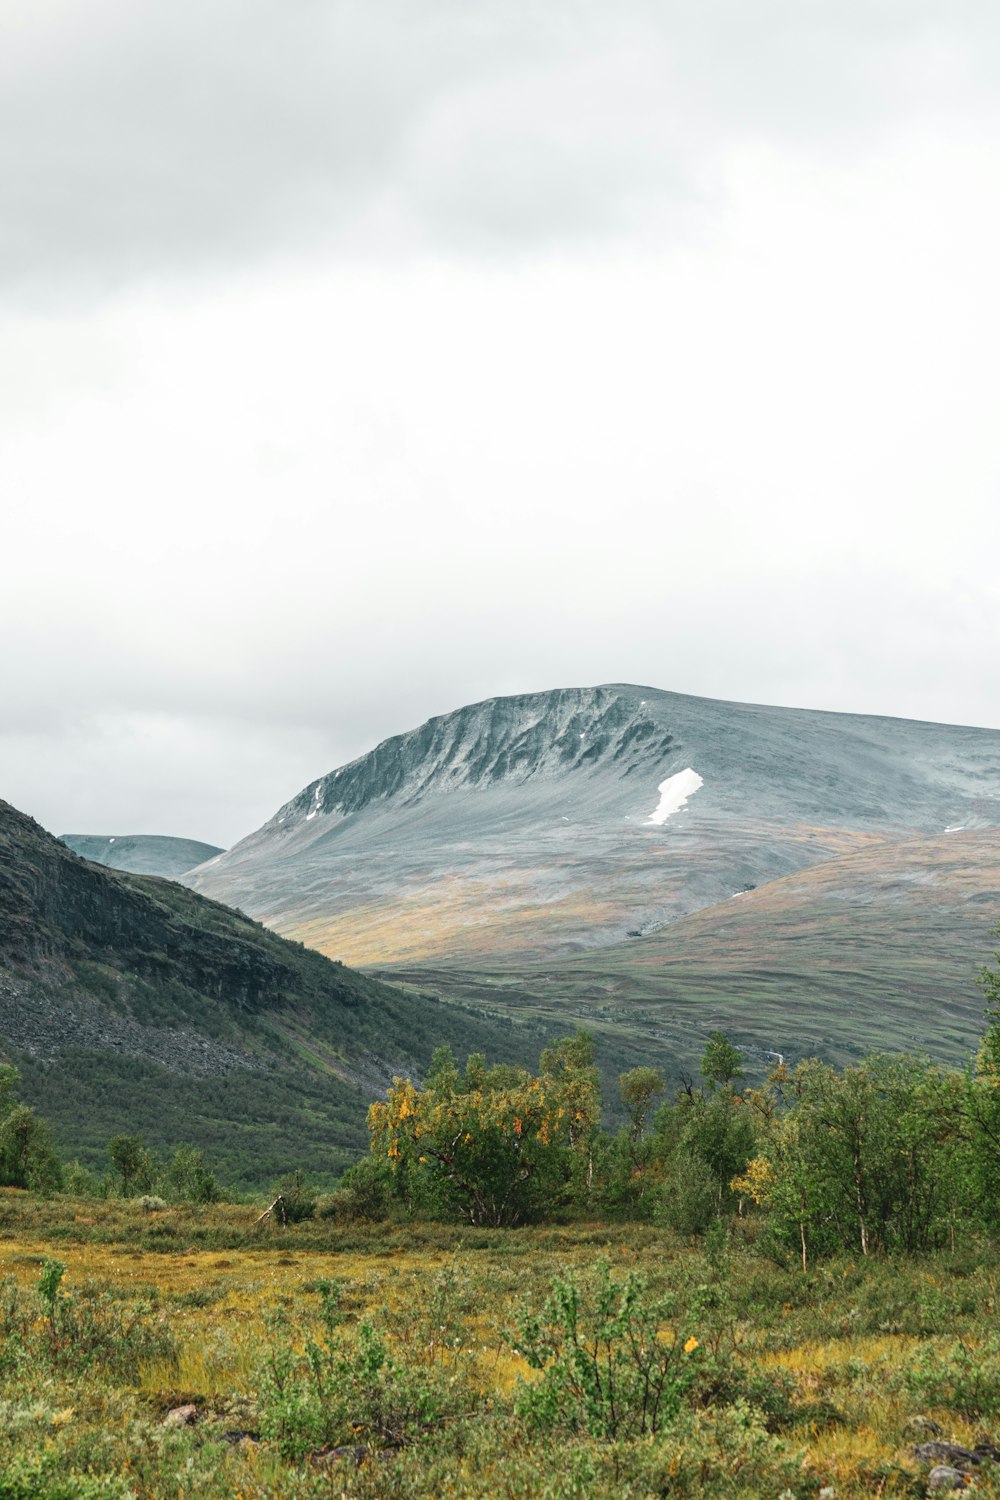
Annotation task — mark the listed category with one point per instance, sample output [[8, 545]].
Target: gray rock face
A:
[[552, 822], [957, 1456], [181, 1416], [925, 1425]]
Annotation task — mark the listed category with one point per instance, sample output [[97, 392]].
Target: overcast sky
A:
[[364, 358]]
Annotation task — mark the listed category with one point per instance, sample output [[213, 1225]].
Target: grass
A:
[[806, 1381]]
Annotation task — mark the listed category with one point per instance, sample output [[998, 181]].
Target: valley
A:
[[650, 867], [873, 951], [654, 867]]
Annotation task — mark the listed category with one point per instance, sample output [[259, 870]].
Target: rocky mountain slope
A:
[[132, 1004], [547, 824], [141, 853]]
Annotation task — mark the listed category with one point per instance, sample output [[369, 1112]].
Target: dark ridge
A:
[[225, 1029]]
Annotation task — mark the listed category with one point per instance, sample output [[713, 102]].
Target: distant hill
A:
[[875, 950], [538, 826], [132, 1004], [141, 853]]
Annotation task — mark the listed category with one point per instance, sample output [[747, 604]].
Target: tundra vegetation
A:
[[769, 1291]]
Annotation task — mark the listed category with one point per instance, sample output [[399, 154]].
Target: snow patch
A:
[[111, 841], [318, 799], [674, 792], [954, 828]]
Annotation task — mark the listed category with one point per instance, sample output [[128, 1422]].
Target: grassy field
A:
[[779, 1383]]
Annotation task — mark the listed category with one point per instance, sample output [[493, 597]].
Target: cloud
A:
[[161, 140], [365, 359]]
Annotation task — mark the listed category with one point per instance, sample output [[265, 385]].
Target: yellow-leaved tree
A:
[[497, 1144]]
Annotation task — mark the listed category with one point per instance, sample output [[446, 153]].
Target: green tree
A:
[[9, 1079], [873, 1158], [27, 1155], [188, 1180], [132, 1163], [983, 1101], [639, 1087], [703, 1142], [721, 1064]]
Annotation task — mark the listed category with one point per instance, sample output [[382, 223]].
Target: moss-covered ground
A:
[[793, 1381]]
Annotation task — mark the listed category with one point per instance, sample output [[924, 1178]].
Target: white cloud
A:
[[443, 353]]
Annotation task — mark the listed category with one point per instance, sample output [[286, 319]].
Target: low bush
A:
[[612, 1360], [349, 1390], [964, 1378], [69, 1335]]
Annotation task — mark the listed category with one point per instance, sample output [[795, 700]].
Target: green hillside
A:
[[131, 1004]]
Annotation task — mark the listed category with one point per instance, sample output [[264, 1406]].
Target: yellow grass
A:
[[221, 1343]]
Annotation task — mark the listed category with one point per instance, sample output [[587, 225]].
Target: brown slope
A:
[[878, 948]]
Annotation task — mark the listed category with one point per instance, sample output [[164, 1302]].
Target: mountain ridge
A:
[[141, 853], [531, 826], [131, 1003]]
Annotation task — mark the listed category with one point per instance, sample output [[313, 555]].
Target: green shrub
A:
[[348, 1390], [77, 1333], [365, 1194], [79, 1182], [295, 1198], [40, 1479], [688, 1200], [962, 1379], [613, 1364], [719, 1452]]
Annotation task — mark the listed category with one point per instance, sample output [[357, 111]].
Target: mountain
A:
[[141, 853], [874, 950], [130, 1003], [539, 826]]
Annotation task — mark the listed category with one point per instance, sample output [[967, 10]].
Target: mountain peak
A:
[[551, 822], [500, 740]]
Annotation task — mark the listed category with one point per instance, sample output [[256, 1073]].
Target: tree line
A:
[[894, 1153], [28, 1159]]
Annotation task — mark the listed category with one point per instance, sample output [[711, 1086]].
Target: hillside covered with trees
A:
[[131, 1005]]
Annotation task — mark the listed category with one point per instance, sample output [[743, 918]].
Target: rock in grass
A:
[[181, 1416], [944, 1477], [946, 1453]]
